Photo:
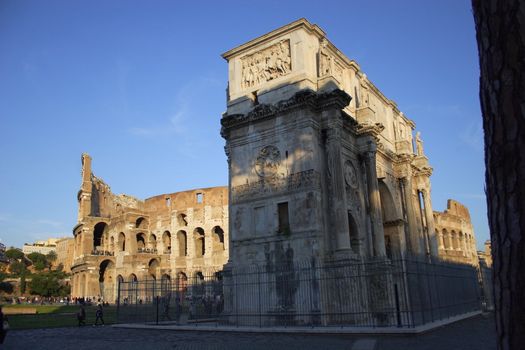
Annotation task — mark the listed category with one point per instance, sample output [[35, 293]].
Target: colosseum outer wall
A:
[[121, 238]]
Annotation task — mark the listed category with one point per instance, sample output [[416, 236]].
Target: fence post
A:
[[259, 295], [398, 311], [157, 298], [118, 302]]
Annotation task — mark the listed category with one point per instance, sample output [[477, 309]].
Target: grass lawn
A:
[[57, 316]]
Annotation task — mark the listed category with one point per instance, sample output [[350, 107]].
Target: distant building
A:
[[65, 249], [43, 247], [485, 257], [3, 258]]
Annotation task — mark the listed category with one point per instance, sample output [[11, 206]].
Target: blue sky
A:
[[140, 86]]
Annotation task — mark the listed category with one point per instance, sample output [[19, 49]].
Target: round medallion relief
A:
[[268, 161], [350, 174]]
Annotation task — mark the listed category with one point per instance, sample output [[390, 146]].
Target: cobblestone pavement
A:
[[476, 333]]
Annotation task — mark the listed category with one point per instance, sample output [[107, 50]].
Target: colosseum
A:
[[455, 234], [121, 238]]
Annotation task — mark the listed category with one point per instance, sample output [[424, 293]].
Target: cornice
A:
[[308, 99], [300, 23]]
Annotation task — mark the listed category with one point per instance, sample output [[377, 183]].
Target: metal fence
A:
[[375, 293]]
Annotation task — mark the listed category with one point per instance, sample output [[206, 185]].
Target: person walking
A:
[[81, 316], [99, 315]]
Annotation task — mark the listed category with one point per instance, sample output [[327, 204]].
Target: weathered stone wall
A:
[[119, 237]]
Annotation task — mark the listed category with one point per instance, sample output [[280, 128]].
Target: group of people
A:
[[99, 315]]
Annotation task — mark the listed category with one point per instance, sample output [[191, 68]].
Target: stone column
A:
[[336, 189], [441, 240], [378, 236], [431, 232], [413, 237]]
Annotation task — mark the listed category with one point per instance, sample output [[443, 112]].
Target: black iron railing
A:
[[367, 293]]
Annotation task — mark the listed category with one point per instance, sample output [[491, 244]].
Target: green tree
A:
[[14, 253], [51, 257], [48, 284], [18, 269], [23, 284], [39, 260], [5, 286]]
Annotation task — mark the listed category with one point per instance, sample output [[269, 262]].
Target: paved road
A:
[[476, 333]]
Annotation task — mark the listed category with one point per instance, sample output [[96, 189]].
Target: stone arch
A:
[[182, 240], [181, 219], [391, 219], [98, 235], [106, 280], [181, 281], [141, 241], [152, 242], [122, 242], [199, 242], [218, 238], [166, 241], [153, 266], [353, 233], [141, 223]]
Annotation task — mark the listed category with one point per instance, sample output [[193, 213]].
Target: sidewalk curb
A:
[[306, 330]]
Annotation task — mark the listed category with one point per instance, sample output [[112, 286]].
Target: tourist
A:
[[81, 316], [99, 315]]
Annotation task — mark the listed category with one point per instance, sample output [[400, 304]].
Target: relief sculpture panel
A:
[[265, 65]]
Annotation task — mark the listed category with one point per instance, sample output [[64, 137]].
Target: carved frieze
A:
[[275, 185], [267, 64]]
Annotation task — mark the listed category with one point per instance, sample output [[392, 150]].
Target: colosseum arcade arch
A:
[[152, 243], [166, 242], [153, 267], [218, 238], [122, 242], [182, 241], [99, 232], [141, 223], [141, 242], [181, 282], [199, 242], [107, 280]]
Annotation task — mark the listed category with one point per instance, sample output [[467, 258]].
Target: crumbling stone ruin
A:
[[122, 238]]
